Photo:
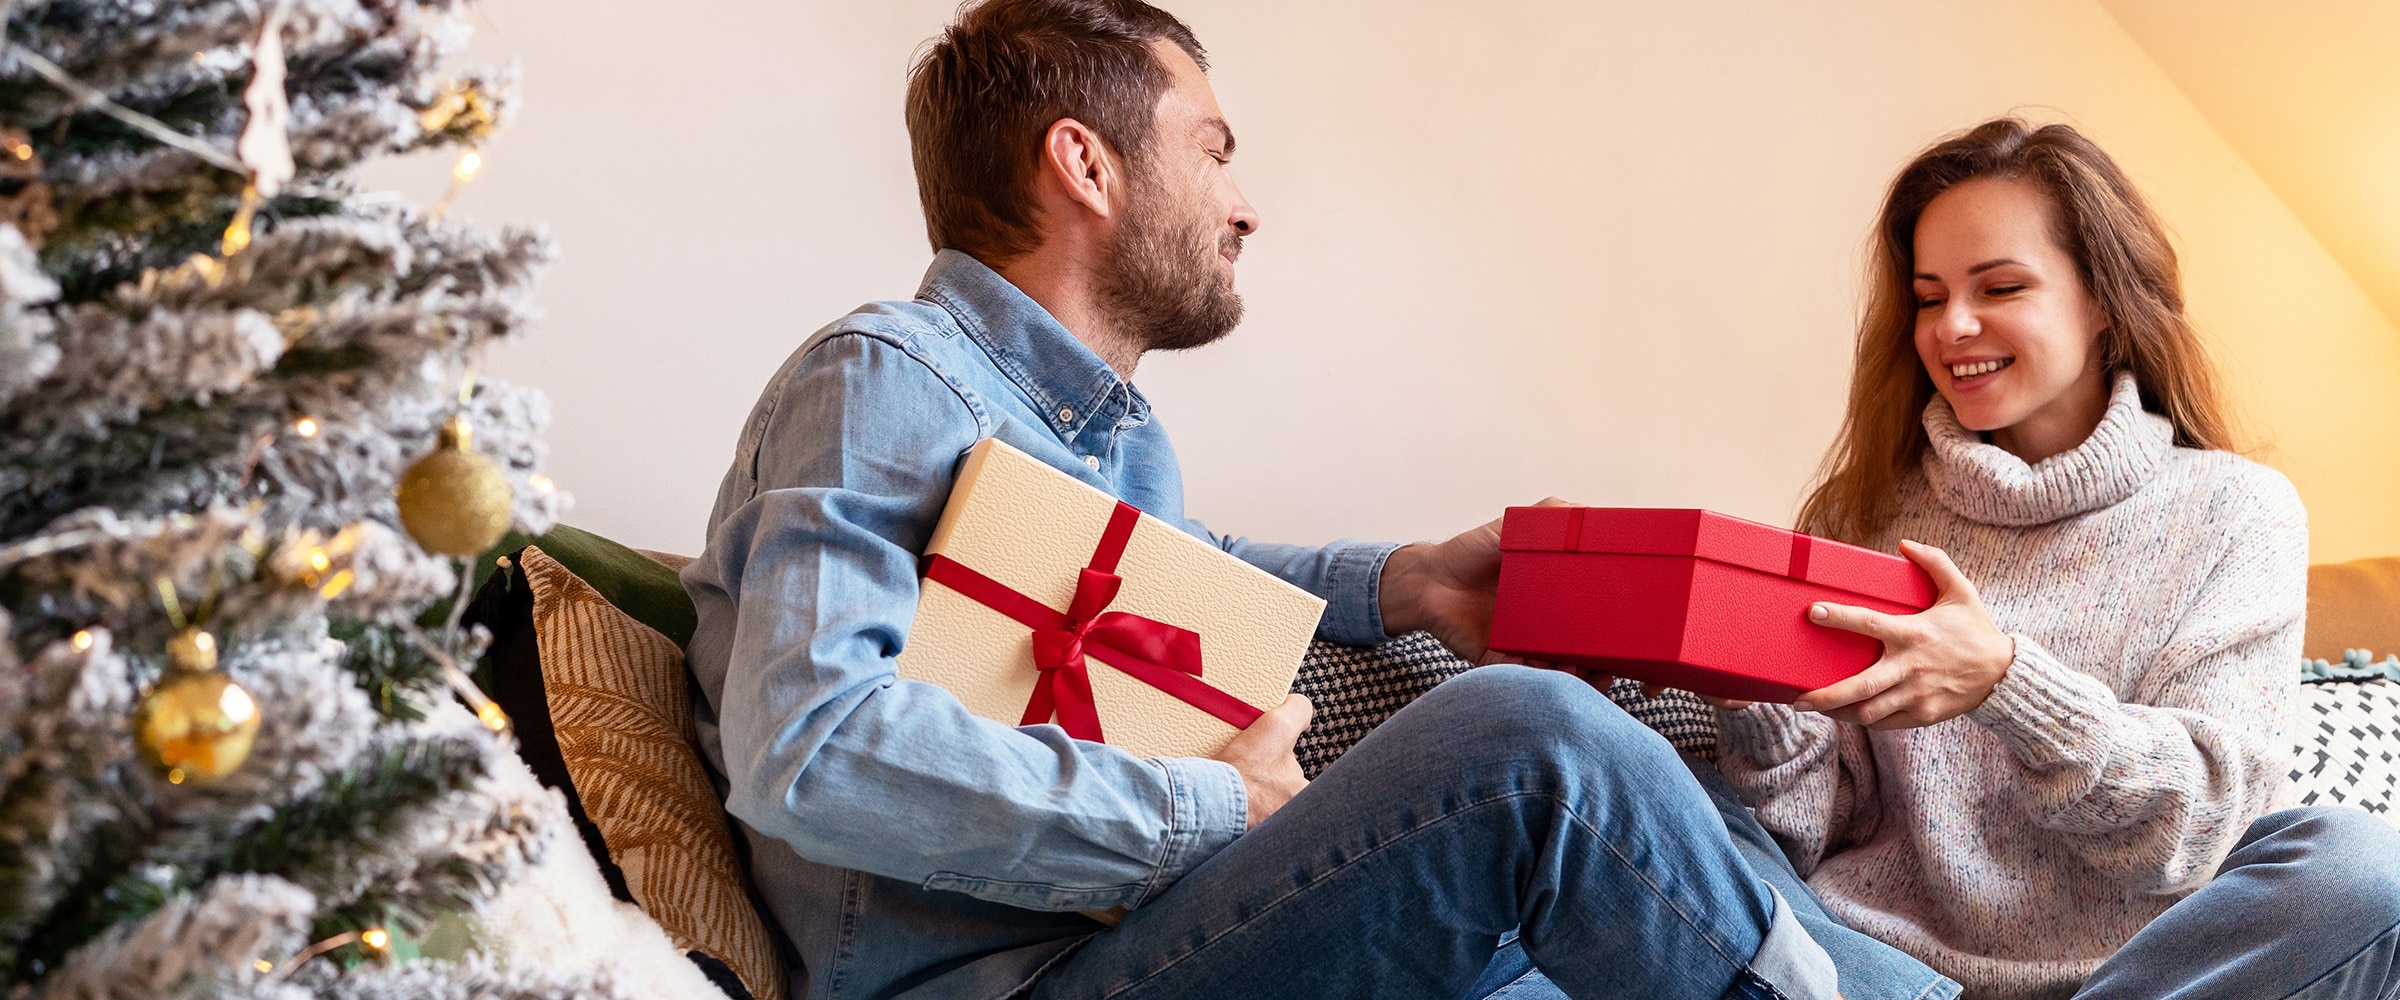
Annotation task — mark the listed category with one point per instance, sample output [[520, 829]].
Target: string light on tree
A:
[[24, 198], [237, 232], [463, 108], [470, 163]]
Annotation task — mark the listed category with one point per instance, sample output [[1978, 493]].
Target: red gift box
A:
[[1691, 599]]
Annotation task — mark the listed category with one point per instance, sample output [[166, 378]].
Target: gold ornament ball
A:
[[196, 726], [455, 502]]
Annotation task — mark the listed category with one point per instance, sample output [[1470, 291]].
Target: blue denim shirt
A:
[[905, 846]]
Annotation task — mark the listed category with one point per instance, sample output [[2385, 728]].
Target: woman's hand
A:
[[1937, 664]]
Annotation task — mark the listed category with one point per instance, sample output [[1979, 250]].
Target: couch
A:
[[571, 601]]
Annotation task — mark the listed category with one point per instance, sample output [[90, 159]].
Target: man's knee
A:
[[1512, 710]]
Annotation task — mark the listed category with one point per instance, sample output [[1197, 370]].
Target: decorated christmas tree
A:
[[242, 454]]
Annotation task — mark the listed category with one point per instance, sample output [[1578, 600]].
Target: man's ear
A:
[[1080, 167]]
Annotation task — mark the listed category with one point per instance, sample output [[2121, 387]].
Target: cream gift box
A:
[[1031, 529]]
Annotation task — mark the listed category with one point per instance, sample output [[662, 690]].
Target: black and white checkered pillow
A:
[[2347, 746], [2347, 743], [1355, 688]]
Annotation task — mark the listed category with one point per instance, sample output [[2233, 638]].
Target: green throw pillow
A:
[[643, 588]]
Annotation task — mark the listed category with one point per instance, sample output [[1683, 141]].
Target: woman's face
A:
[[2004, 325]]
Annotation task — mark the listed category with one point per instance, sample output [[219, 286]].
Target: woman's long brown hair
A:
[[2126, 264]]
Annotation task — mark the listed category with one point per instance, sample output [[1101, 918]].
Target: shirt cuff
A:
[[2047, 712], [1212, 808], [1764, 733], [1354, 593]]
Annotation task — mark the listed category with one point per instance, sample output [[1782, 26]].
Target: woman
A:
[[2061, 776]]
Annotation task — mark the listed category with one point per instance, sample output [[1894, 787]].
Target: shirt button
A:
[[1092, 462], [1066, 414]]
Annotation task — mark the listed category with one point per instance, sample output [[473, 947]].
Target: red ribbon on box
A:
[[1158, 654]]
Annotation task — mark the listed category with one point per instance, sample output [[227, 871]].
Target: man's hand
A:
[[1446, 588], [1263, 756], [1937, 665]]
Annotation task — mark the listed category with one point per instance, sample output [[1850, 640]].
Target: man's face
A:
[[1170, 278]]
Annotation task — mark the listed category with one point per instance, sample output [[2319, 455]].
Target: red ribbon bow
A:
[[1153, 652]]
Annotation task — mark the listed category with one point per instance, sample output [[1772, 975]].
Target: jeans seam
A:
[[1504, 987], [1933, 988], [2344, 963], [1739, 966]]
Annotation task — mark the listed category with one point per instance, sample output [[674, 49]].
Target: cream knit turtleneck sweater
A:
[[2155, 594]]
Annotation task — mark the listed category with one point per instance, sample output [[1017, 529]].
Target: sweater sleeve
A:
[[2155, 790], [1810, 779]]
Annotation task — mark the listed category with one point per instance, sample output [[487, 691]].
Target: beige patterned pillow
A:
[[619, 705]]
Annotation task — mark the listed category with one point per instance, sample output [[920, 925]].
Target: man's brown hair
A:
[[985, 93]]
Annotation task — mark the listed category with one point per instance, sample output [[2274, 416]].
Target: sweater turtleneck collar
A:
[[1983, 482]]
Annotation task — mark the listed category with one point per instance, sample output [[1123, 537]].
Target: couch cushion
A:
[[2347, 746], [1355, 688], [2353, 605], [602, 709]]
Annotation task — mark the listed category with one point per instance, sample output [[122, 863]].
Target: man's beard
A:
[[1161, 286]]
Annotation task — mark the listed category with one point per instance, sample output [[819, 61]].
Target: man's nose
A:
[[1244, 219]]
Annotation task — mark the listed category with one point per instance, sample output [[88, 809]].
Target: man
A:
[[1074, 170]]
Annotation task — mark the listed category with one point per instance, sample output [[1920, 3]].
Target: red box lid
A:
[[1705, 534]]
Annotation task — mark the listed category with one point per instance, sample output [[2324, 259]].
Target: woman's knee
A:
[[2341, 857], [2329, 831]]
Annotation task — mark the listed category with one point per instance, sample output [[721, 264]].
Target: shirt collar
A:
[[1068, 383]]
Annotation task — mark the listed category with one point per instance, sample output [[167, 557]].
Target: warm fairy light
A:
[[333, 588], [468, 163], [237, 233], [263, 965], [540, 483], [174, 776], [22, 150], [319, 561], [305, 427], [81, 641], [493, 718], [209, 270], [375, 939]]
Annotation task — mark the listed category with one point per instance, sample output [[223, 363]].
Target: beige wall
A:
[[1605, 250]]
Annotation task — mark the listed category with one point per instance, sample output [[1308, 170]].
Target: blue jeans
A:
[[2307, 907], [1870, 969], [1506, 802]]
